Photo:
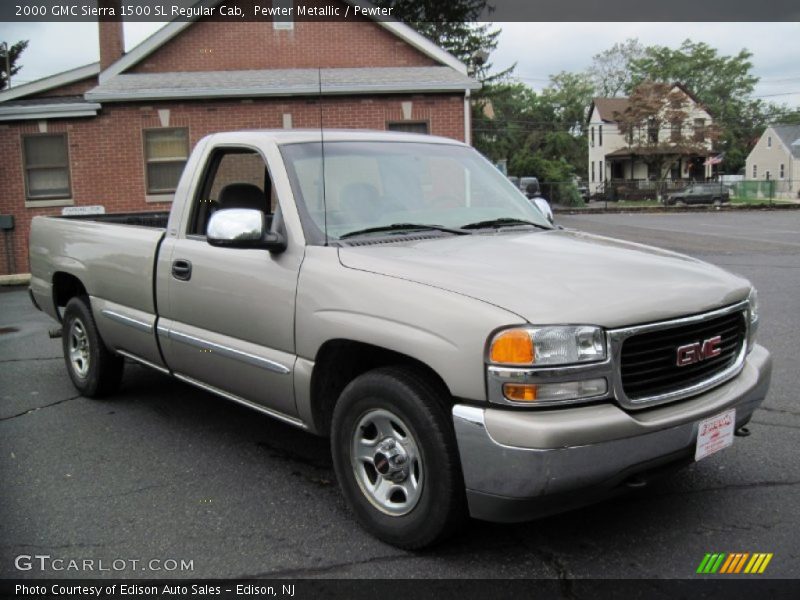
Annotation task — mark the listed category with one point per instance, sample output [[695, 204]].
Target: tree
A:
[[658, 129], [723, 84], [14, 53], [610, 70], [454, 26]]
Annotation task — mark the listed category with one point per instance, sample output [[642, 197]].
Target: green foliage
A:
[[454, 26], [722, 84], [14, 52]]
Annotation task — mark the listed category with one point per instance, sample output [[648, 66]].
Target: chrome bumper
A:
[[519, 465]]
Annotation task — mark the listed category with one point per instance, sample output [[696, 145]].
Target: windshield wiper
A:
[[502, 222], [403, 227]]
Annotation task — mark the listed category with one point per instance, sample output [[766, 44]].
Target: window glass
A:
[[46, 160], [165, 152], [375, 184], [233, 178], [408, 126]]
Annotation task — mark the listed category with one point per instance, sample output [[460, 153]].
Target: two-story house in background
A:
[[618, 159]]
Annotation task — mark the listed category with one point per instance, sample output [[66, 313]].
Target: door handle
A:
[[182, 269]]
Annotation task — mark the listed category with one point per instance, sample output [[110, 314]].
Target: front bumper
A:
[[520, 465]]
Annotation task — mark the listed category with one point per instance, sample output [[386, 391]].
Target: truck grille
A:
[[649, 360]]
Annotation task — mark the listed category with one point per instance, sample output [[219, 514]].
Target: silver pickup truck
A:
[[396, 293]]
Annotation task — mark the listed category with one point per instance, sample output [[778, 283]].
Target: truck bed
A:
[[114, 256]]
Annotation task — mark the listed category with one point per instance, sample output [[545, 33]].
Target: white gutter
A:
[[48, 111]]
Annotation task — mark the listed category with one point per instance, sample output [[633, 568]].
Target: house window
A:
[[782, 171], [755, 171], [46, 160], [592, 171], [600, 170], [769, 141], [408, 126], [676, 131], [165, 154], [699, 130], [592, 137], [283, 19], [767, 176], [600, 134], [652, 130]]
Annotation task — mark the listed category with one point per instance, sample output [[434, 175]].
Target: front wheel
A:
[[395, 457], [92, 367]]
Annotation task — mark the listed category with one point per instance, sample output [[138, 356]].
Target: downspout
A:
[[467, 118]]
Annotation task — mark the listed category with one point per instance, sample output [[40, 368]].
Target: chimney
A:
[[112, 39]]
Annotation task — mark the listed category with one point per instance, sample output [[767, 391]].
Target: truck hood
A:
[[557, 276]]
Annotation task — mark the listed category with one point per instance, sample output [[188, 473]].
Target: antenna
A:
[[322, 153]]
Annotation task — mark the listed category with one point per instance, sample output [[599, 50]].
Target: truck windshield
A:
[[371, 188]]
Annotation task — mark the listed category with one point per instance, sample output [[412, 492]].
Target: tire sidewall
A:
[[370, 392], [77, 309]]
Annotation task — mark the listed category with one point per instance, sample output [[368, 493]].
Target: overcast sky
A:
[[539, 49]]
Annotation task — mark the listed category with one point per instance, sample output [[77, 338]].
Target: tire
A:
[[717, 202], [397, 421], [94, 370]]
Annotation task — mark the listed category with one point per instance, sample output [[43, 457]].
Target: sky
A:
[[539, 49]]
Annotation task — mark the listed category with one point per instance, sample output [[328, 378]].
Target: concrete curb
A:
[[672, 209], [18, 279]]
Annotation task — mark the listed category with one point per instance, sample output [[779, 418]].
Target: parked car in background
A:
[[701, 193], [514, 180]]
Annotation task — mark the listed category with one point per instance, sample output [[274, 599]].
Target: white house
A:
[[776, 156], [612, 158]]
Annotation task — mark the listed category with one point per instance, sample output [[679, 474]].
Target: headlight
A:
[[548, 346], [752, 317]]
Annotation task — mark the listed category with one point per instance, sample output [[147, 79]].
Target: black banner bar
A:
[[344, 10], [716, 587]]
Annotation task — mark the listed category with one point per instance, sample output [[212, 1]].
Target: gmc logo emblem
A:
[[694, 353]]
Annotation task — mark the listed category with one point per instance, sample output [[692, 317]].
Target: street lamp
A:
[[4, 48]]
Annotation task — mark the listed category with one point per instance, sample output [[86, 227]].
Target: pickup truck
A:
[[396, 293]]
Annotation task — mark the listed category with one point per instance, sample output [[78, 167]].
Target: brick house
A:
[[117, 133]]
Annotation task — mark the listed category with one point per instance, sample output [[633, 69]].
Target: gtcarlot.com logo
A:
[[734, 563], [45, 562]]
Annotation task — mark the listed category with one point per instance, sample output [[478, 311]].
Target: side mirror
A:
[[243, 228], [544, 207]]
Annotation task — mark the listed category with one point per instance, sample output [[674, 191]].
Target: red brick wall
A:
[[220, 46], [77, 88], [106, 154]]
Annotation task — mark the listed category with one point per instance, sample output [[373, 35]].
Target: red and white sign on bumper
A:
[[715, 434]]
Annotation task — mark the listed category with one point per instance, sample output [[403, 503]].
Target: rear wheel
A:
[[717, 201], [92, 367], [395, 457]]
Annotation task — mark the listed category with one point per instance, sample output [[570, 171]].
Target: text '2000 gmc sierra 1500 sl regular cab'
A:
[[396, 293]]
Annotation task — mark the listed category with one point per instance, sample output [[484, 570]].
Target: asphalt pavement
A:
[[164, 472]]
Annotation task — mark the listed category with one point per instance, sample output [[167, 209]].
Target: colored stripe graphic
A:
[[734, 562], [728, 564]]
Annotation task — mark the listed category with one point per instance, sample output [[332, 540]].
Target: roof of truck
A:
[[297, 136]]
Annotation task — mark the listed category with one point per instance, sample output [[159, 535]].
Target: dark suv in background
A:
[[701, 193]]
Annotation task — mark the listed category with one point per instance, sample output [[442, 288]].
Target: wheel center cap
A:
[[391, 460]]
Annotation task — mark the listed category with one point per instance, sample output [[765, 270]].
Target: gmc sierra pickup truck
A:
[[396, 293]]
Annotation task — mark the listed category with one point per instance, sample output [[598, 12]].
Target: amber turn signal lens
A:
[[519, 393], [512, 347]]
